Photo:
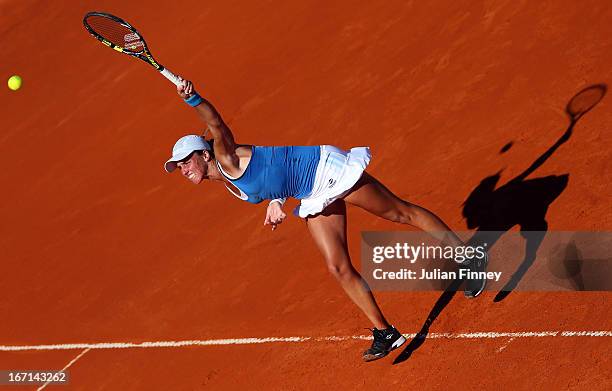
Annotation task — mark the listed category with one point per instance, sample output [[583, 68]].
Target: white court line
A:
[[66, 367], [249, 341]]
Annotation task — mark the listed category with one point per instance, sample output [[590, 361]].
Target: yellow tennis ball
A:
[[14, 82]]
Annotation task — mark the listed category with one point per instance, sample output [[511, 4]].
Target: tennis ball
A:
[[14, 82]]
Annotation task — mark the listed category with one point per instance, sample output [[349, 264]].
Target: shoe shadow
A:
[[420, 337], [493, 210]]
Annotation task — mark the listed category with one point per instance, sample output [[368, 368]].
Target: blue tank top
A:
[[277, 172]]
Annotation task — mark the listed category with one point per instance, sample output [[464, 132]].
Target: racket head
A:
[[117, 34]]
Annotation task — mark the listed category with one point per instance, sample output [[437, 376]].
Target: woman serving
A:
[[324, 178]]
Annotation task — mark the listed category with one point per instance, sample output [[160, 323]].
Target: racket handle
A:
[[170, 76]]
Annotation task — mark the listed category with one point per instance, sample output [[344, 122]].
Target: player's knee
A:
[[342, 271], [404, 214]]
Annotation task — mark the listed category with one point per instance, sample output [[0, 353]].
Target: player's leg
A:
[[328, 230], [371, 195]]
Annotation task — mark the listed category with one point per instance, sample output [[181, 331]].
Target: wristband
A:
[[281, 201], [194, 100]]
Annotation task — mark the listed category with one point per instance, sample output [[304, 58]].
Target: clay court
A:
[[132, 279]]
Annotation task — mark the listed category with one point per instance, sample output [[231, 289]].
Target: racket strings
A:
[[116, 33]]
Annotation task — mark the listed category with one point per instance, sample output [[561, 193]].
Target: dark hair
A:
[[211, 142]]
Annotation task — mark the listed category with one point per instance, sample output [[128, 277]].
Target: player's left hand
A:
[[274, 215]]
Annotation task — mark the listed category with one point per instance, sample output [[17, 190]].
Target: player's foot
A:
[[384, 342], [475, 285]]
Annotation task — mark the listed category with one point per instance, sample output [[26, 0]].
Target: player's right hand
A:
[[185, 89]]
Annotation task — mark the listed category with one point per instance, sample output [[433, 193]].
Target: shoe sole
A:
[[472, 295], [372, 357]]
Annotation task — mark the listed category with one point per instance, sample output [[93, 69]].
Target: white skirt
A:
[[338, 171]]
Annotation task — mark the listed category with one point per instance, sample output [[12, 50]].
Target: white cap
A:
[[184, 147]]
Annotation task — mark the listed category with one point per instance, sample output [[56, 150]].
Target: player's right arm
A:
[[225, 146]]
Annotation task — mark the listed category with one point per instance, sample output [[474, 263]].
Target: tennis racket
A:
[[118, 34]]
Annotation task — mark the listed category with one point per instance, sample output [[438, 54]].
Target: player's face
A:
[[194, 168]]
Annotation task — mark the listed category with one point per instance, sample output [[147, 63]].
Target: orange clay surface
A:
[[99, 244]]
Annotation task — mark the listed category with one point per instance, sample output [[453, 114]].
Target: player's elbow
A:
[[214, 121]]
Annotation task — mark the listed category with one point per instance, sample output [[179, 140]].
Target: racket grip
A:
[[170, 76]]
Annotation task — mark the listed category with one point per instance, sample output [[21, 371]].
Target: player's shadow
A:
[[524, 202], [493, 210]]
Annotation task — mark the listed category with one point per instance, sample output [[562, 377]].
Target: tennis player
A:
[[324, 178]]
